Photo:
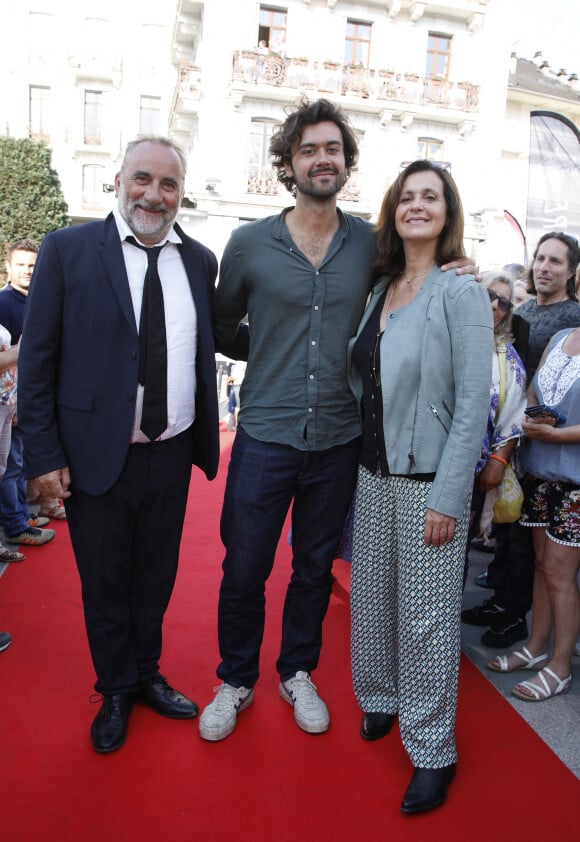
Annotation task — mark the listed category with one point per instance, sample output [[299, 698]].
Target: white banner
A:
[[554, 177]]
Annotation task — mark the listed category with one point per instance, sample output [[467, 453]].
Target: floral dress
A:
[[506, 424]]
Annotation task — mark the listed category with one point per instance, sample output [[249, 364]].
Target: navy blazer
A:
[[78, 362]]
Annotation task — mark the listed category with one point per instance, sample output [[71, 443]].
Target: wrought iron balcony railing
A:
[[253, 68], [263, 181], [189, 80]]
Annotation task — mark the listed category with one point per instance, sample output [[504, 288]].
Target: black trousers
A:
[[511, 573], [126, 544]]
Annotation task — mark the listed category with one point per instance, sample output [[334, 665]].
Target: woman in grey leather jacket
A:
[[421, 366]]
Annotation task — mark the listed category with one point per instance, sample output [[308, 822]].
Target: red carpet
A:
[[268, 782]]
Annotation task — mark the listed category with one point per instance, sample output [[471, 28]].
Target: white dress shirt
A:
[[180, 324]]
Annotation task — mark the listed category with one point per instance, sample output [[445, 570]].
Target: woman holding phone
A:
[[552, 509]]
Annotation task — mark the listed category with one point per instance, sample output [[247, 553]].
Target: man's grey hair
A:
[[162, 141]]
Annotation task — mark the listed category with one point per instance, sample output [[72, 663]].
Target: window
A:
[[351, 190], [97, 40], [152, 41], [93, 196], [438, 55], [38, 112], [261, 175], [430, 149], [358, 43], [39, 37], [93, 117], [272, 28], [150, 115]]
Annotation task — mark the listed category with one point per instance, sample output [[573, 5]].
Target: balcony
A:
[[188, 86], [262, 181], [185, 97], [470, 12], [95, 64], [273, 75], [36, 133]]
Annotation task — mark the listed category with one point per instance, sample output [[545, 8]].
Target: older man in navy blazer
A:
[[80, 412]]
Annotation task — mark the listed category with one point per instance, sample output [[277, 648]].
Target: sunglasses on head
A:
[[504, 304], [563, 235]]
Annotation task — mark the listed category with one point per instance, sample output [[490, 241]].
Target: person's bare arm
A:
[[9, 357]]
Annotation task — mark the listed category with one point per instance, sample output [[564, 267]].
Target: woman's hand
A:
[[541, 429], [492, 475], [439, 529]]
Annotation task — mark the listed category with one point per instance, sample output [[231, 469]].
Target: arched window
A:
[[261, 175]]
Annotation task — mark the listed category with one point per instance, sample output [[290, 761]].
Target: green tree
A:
[[31, 198]]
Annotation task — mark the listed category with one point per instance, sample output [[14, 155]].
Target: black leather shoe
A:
[[376, 725], [502, 635], [482, 546], [109, 728], [486, 614], [166, 701], [428, 789]]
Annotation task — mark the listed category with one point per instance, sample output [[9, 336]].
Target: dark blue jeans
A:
[[263, 480], [14, 511]]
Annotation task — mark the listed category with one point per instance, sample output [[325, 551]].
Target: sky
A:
[[549, 26]]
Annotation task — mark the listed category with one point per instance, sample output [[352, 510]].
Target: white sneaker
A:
[[218, 719], [310, 712]]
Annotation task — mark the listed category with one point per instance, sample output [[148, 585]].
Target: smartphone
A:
[[544, 411]]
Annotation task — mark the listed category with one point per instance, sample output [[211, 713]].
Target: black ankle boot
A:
[[376, 725], [428, 789]]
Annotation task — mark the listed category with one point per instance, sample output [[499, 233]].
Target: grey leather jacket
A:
[[436, 357]]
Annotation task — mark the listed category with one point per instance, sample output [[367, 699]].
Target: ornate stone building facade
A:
[[426, 79]]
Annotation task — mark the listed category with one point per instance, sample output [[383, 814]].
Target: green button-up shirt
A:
[[295, 390]]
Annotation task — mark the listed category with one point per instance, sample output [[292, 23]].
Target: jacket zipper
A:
[[411, 455], [438, 416]]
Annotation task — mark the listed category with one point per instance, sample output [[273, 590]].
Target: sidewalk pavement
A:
[[556, 721]]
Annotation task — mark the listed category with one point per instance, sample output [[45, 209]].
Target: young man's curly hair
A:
[[291, 130]]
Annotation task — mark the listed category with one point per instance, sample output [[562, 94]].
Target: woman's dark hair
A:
[[571, 244], [391, 255], [290, 133]]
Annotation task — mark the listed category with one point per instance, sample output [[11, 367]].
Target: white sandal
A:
[[542, 692], [528, 662]]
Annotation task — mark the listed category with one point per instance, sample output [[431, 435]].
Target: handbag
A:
[[510, 497], [508, 506]]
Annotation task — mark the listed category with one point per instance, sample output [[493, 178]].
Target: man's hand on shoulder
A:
[[464, 266]]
